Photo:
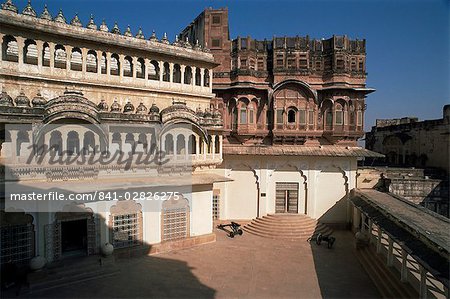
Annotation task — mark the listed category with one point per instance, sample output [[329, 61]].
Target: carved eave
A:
[[130, 118], [71, 106], [363, 90]]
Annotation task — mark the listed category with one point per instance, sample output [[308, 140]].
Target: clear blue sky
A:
[[407, 41]]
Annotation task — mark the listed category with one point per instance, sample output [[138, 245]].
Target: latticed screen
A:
[[126, 230], [174, 224], [16, 243], [215, 207]]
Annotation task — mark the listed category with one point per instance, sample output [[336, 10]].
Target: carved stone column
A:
[[220, 144], [13, 134], [194, 71], [120, 66], [197, 146], [171, 72], [210, 79], [20, 50], [51, 47], [68, 56], [213, 147], [1, 46], [186, 146], [64, 143], [83, 60], [99, 62], [108, 64], [146, 65], [183, 69], [161, 70], [202, 77], [40, 53], [133, 67], [123, 137]]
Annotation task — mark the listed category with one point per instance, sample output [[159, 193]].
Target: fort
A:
[[242, 129]]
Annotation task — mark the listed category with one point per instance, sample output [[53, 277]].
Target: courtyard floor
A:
[[243, 267]]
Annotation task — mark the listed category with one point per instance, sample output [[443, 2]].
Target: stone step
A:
[[265, 227], [287, 218], [285, 225], [287, 234], [280, 221]]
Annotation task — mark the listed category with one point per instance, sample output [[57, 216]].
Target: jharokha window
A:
[[126, 224]]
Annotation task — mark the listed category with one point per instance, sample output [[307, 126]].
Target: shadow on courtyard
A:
[[352, 281], [129, 273]]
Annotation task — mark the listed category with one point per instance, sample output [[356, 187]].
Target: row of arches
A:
[[92, 61], [329, 115], [79, 142], [181, 144]]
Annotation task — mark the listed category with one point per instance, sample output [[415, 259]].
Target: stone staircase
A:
[[286, 226], [71, 271], [385, 279]]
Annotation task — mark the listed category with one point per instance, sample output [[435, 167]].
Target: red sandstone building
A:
[[287, 90]]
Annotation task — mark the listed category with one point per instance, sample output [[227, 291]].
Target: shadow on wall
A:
[[353, 282], [337, 215], [438, 200], [76, 249]]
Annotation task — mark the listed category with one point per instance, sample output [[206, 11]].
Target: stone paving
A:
[[243, 267]]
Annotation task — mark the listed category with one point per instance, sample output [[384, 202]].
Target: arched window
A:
[[338, 114], [217, 142], [166, 72], [117, 139], [140, 68], [22, 137], [91, 61], [176, 73], [168, 144], [206, 78], [130, 140], [73, 143], [352, 115], [103, 63], [192, 144], [115, 65], [10, 49], [46, 55], [76, 60], [291, 116], [181, 146], [89, 143], [60, 57], [198, 77], [30, 52], [55, 143], [188, 75], [153, 71], [242, 112], [209, 144], [327, 111], [128, 67]]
